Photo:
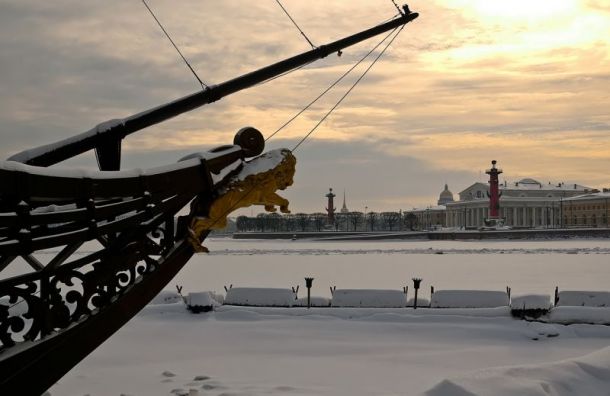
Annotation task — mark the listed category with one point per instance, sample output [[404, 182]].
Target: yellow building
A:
[[588, 210]]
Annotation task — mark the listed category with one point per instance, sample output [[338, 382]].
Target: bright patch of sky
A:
[[522, 82]]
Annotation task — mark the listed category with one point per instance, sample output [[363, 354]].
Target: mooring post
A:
[[416, 283], [556, 295], [308, 283]]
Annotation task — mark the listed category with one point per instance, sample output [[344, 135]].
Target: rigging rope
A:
[[230, 209], [330, 87], [349, 90], [295, 24], [397, 7], [174, 44]]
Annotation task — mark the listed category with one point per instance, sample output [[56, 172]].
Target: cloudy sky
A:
[[524, 82]]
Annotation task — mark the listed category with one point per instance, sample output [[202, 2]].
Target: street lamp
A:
[[416, 283], [308, 284]]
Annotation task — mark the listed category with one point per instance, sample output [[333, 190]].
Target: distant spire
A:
[[344, 208]]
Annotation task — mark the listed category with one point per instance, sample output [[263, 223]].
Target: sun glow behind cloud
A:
[[524, 82], [535, 10]]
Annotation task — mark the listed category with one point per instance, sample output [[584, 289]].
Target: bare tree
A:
[[410, 221], [273, 221], [356, 218], [261, 222], [242, 223], [390, 219], [371, 220], [341, 221], [318, 219], [302, 220], [289, 222]]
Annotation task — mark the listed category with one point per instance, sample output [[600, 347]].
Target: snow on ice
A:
[[365, 351]]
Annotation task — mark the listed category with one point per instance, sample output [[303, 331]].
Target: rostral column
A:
[[494, 191], [331, 207]]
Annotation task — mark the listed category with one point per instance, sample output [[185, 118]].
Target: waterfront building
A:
[[526, 203], [588, 210]]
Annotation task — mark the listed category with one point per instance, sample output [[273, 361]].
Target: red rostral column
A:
[[331, 207], [494, 191]]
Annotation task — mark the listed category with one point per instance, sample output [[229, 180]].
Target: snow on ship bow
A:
[[102, 244]]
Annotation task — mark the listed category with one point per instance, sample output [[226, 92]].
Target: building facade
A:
[[527, 203], [588, 210]]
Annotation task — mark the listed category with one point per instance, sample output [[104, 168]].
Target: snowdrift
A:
[[166, 297], [572, 315], [588, 375]]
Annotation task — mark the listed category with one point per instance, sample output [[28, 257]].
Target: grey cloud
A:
[[67, 65], [371, 177]]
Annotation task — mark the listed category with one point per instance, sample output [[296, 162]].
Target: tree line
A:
[[316, 222]]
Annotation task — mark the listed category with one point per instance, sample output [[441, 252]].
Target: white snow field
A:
[[165, 350]]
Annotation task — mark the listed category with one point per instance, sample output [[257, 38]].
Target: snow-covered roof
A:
[[531, 184], [428, 208], [591, 196]]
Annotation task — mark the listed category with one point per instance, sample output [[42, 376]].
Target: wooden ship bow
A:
[[99, 245]]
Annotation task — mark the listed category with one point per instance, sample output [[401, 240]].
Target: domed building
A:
[[445, 197], [527, 203]]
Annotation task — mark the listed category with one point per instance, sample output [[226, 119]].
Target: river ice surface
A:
[[361, 351]]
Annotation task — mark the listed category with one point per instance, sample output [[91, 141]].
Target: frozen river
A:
[[165, 350], [525, 266]]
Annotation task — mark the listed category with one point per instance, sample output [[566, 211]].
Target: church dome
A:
[[446, 196]]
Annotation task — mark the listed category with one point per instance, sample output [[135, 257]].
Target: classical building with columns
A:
[[527, 203]]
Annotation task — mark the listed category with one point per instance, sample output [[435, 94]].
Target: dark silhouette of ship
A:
[[55, 315]]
